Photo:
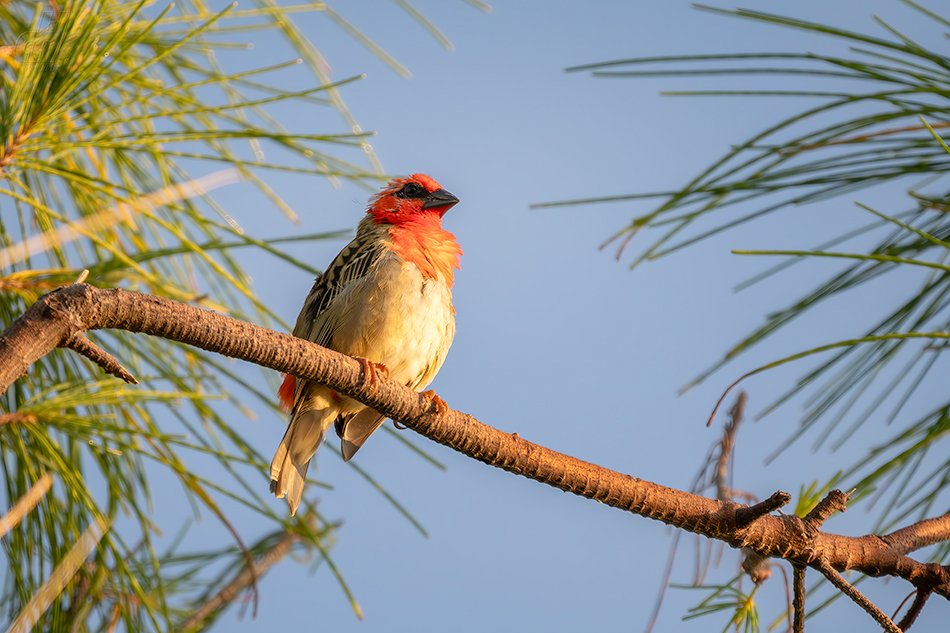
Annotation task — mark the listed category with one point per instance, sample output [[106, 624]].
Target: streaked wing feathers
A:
[[352, 263]]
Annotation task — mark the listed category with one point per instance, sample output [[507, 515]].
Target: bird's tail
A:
[[303, 437], [356, 430]]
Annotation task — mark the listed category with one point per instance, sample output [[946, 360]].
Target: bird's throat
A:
[[426, 244]]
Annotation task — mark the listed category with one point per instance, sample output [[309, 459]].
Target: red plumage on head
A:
[[423, 180], [388, 207], [417, 233]]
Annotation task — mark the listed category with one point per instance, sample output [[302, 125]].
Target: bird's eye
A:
[[412, 190]]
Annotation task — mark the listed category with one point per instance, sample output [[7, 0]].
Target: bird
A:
[[386, 300]]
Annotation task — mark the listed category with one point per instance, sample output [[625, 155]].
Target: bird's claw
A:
[[370, 370], [440, 407]]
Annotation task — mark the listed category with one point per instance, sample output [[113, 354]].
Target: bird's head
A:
[[410, 199]]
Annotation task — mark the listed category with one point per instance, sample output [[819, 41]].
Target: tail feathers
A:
[[289, 481], [357, 430], [288, 470]]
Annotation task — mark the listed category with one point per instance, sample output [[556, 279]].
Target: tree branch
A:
[[83, 346], [746, 515], [834, 501], [798, 600], [920, 598], [58, 317], [859, 598]]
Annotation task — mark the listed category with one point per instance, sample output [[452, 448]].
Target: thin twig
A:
[[834, 501], [747, 515], [788, 594], [798, 598], [80, 344], [919, 600], [723, 491], [664, 583], [859, 598], [859, 138]]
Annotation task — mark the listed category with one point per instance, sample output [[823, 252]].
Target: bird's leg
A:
[[370, 370]]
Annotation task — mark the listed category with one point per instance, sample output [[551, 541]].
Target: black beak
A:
[[440, 198]]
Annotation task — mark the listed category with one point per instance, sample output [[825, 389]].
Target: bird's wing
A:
[[314, 322], [351, 264]]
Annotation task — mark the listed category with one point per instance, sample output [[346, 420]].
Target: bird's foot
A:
[[371, 371], [440, 407]]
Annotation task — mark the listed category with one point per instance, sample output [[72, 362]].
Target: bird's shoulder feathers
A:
[[352, 263]]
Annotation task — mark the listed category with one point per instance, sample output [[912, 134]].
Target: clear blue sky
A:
[[556, 340]]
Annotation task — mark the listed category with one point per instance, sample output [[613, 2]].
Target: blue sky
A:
[[556, 340]]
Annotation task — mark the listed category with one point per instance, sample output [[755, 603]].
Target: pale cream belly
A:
[[396, 317]]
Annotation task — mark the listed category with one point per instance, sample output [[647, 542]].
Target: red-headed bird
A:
[[387, 300]]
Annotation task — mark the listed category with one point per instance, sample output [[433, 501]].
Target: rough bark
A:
[[60, 318]]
